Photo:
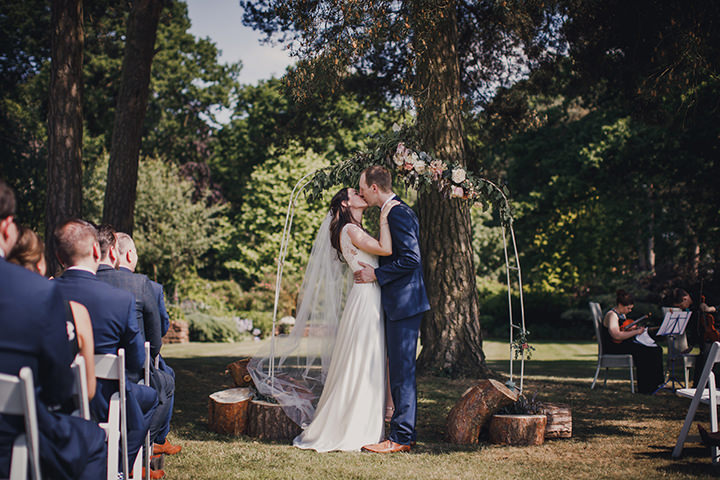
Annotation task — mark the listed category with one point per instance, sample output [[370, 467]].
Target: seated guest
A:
[[28, 252], [34, 334], [114, 326], [116, 249], [648, 360]]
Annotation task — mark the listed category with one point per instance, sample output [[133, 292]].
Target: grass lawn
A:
[[615, 434]]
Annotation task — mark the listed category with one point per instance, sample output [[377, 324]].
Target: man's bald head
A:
[[127, 252], [76, 242]]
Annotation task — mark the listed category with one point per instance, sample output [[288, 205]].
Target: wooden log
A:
[[519, 430], [474, 410], [228, 411], [559, 420], [267, 421], [239, 372]]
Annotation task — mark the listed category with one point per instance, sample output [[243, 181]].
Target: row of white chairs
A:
[[17, 397]]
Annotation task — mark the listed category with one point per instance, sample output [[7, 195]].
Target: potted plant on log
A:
[[521, 423]]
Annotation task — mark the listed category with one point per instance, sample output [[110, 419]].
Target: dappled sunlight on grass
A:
[[615, 434]]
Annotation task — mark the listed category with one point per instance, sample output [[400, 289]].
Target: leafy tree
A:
[[265, 201], [416, 48], [173, 232]]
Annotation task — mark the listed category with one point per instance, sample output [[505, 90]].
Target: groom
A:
[[404, 301]]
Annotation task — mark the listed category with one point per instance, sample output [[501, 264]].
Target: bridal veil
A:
[[292, 368]]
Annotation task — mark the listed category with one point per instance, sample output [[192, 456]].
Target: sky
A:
[[221, 21]]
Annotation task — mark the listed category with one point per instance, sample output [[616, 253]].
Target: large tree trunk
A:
[[119, 208], [65, 128], [451, 338]]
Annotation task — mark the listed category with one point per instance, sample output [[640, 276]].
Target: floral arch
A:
[[419, 170]]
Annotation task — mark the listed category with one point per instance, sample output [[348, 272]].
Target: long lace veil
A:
[[292, 368]]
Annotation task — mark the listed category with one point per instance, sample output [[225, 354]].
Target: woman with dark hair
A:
[[351, 408], [29, 252], [648, 360]]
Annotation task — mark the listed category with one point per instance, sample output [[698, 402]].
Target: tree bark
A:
[[119, 207], [228, 411], [474, 410], [65, 127], [519, 430], [450, 333]]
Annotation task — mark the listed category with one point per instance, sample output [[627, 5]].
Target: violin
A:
[[711, 333], [630, 324]]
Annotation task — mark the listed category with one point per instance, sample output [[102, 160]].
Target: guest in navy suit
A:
[[112, 311], [32, 321], [404, 301], [118, 249]]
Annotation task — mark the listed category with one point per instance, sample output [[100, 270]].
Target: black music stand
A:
[[673, 327]]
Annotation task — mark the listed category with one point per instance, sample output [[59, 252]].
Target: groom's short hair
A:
[[380, 176]]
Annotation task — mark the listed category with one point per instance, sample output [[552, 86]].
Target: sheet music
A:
[[674, 323], [645, 339]]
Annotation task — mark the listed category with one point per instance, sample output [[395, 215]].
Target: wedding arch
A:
[[418, 170]]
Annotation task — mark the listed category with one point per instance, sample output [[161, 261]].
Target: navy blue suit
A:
[[165, 318], [34, 334], [112, 312], [404, 301], [149, 323]]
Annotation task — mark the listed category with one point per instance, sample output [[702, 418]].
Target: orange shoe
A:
[[154, 474], [388, 446], [167, 448]]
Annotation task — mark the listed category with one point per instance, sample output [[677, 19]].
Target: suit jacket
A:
[[400, 274], [146, 306], [160, 296], [112, 312], [34, 334]]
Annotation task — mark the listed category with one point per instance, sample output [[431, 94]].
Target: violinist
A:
[[648, 360]]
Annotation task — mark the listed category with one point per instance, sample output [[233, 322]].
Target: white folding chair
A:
[[17, 397], [607, 361], [677, 344], [80, 388], [112, 367], [146, 379], [708, 396]]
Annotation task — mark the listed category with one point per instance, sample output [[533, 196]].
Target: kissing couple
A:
[[357, 324]]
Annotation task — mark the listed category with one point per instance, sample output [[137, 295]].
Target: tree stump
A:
[[267, 421], [228, 411], [521, 430], [559, 420], [474, 410], [239, 373]]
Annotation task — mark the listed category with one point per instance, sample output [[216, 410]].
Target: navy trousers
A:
[[162, 435], [401, 337]]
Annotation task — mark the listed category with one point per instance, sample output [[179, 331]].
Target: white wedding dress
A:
[[350, 412]]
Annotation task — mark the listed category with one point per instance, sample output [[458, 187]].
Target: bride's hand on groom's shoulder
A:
[[387, 207]]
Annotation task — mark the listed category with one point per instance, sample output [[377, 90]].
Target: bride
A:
[[329, 374], [351, 409]]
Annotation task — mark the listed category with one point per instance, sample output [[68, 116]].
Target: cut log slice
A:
[[239, 372], [475, 409], [267, 421], [559, 420], [228, 411], [519, 430]]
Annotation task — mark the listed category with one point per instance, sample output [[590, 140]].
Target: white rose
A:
[[458, 175], [420, 167], [413, 158]]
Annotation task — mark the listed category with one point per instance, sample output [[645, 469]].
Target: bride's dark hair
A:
[[341, 216]]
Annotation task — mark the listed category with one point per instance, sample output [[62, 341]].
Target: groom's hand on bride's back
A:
[[366, 275]]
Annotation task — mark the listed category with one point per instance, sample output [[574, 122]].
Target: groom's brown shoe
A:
[[388, 446]]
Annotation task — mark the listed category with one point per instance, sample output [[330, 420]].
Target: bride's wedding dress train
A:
[[351, 408]]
